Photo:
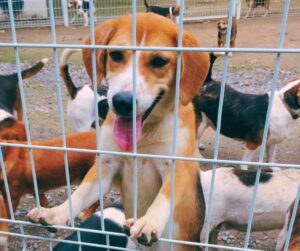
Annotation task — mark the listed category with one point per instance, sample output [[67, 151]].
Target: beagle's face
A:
[[154, 71]]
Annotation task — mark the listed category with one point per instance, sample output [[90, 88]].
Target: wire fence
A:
[[35, 13], [192, 9]]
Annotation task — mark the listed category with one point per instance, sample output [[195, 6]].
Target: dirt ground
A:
[[44, 121], [254, 33]]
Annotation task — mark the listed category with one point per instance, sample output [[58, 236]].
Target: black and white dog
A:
[[232, 197], [169, 12], [114, 219], [244, 115], [80, 107], [10, 101], [81, 7]]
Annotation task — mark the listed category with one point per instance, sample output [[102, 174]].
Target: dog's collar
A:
[[171, 12], [290, 110]]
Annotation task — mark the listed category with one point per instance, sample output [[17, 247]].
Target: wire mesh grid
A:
[[135, 155], [36, 13]]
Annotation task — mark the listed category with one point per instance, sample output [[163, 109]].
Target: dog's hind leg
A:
[[250, 8], [201, 130], [74, 18], [248, 154], [271, 152], [86, 19]]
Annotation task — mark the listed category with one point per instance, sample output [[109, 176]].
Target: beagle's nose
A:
[[122, 103]]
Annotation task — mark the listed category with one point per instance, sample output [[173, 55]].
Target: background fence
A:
[[55, 14], [35, 13]]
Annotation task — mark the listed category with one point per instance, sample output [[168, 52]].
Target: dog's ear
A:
[[103, 34], [298, 94], [194, 68]]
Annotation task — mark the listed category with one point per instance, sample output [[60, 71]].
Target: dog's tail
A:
[[64, 70], [34, 69], [29, 72], [146, 4]]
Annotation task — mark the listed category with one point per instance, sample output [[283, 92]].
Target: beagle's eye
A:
[[158, 62], [116, 56]]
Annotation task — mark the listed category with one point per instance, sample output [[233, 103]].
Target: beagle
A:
[[49, 166], [252, 4], [10, 103], [222, 32], [233, 192], [155, 91], [294, 244], [169, 12], [81, 7], [114, 218], [244, 115], [80, 107]]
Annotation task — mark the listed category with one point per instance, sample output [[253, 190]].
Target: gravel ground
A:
[[41, 99]]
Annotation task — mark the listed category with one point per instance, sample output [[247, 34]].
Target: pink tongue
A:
[[123, 132]]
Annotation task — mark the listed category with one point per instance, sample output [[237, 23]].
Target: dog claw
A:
[[144, 240]]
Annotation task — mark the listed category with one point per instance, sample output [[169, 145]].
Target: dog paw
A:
[[46, 217], [141, 230]]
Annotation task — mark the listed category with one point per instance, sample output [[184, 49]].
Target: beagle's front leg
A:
[[149, 228], [84, 196]]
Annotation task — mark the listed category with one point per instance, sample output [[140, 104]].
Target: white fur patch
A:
[[4, 114], [114, 214], [232, 199], [81, 110]]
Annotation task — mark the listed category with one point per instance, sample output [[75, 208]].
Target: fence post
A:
[[65, 12], [238, 8]]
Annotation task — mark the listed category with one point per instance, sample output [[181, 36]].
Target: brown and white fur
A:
[[169, 12], [233, 192], [49, 167], [294, 244], [81, 7], [244, 115], [155, 82], [80, 108], [222, 32], [3, 225], [252, 4]]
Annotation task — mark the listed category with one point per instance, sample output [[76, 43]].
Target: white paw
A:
[[46, 216], [141, 230]]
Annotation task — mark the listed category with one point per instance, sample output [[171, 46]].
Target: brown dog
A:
[[49, 166], [222, 32], [155, 89]]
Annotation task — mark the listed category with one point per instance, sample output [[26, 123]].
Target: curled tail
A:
[[64, 70], [146, 4], [34, 69]]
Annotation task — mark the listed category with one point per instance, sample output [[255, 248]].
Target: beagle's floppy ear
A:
[[194, 68], [103, 34]]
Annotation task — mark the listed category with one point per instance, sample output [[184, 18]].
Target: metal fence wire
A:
[[37, 13]]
